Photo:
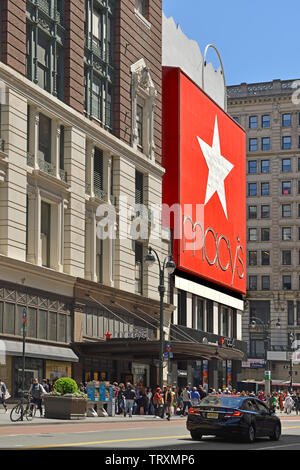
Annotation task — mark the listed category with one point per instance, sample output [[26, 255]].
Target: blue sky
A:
[[258, 39]]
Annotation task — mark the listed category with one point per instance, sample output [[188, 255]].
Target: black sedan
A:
[[235, 416]]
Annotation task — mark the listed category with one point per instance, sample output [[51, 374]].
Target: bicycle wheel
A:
[[30, 411], [16, 413]]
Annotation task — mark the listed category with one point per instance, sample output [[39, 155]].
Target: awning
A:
[[42, 351], [149, 350]]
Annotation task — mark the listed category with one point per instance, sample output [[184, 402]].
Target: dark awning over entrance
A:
[[132, 349]]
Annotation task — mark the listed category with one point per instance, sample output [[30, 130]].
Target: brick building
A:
[[80, 131]]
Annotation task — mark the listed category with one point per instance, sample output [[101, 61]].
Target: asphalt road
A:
[[154, 438]]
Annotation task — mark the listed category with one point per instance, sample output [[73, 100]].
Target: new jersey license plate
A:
[[212, 415]]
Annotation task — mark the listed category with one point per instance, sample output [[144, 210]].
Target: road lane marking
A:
[[108, 442]]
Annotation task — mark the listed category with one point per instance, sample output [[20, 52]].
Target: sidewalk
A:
[[5, 419]]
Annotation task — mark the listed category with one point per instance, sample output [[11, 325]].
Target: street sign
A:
[[267, 375]]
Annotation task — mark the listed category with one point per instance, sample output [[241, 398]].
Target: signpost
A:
[[267, 378]]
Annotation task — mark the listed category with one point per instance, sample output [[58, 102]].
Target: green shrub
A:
[[65, 385]]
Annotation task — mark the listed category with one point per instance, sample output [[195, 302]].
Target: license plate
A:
[[212, 415]]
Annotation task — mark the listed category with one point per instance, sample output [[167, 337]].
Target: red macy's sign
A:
[[204, 157]]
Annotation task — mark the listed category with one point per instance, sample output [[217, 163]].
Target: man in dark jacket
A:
[[129, 397], [202, 392]]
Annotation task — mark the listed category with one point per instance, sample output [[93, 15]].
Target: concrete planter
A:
[[61, 407]]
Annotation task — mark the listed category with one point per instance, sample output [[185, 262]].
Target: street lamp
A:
[[291, 340], [266, 327], [170, 266]]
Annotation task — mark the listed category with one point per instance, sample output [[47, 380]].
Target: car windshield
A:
[[228, 401]]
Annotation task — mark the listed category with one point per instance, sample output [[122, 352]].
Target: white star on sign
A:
[[218, 167]]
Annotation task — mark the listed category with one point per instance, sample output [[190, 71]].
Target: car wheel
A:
[[276, 433], [250, 437], [196, 435]]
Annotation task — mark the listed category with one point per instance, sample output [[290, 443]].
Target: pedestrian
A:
[[142, 401], [202, 392], [158, 402], [297, 403], [288, 404], [37, 391], [186, 398], [168, 401], [45, 385], [195, 397], [3, 394], [149, 394], [129, 397]]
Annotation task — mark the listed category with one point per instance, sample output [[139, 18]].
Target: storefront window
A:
[[61, 328], [42, 324], [33, 369], [9, 318], [52, 326], [31, 323]]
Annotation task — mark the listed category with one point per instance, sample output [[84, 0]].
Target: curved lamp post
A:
[[169, 265], [222, 70]]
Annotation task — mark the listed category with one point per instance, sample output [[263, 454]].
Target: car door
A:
[[268, 419], [259, 418]]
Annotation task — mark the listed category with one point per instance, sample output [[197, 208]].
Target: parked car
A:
[[233, 416]]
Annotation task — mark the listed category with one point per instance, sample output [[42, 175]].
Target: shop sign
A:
[[136, 333], [204, 157]]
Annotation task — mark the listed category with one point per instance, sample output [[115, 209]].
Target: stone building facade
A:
[[270, 114]]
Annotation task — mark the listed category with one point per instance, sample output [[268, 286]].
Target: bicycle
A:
[[21, 410]]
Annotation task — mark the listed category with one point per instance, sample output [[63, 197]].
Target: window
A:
[[45, 39], [236, 119], [98, 174], [45, 233], [265, 234], [286, 164], [286, 120], [286, 257], [253, 146], [252, 282], [265, 143], [140, 125], [286, 282], [286, 187], [252, 234], [290, 310], [265, 282], [252, 258], [44, 149], [252, 166], [286, 210], [181, 308], [252, 122], [210, 316], [265, 166], [265, 211], [265, 258], [252, 189], [138, 268], [99, 260], [200, 314], [139, 187], [265, 121], [225, 321], [252, 212], [286, 143], [265, 189], [98, 73], [286, 233], [257, 348]]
